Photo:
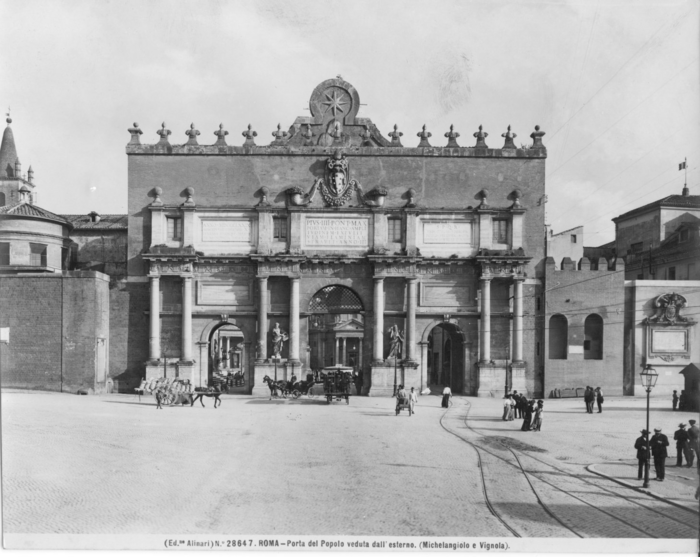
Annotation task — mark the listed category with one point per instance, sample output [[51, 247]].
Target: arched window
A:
[[2, 199], [593, 337], [335, 299], [558, 337]]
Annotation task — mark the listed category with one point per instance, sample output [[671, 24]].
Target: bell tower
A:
[[12, 181]]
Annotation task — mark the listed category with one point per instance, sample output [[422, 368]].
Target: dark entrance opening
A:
[[336, 328], [227, 358], [446, 358]]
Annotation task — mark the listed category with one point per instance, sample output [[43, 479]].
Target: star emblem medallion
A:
[[335, 101]]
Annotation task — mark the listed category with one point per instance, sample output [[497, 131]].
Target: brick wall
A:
[[56, 321], [577, 293]]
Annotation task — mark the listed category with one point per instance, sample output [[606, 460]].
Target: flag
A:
[[681, 166]]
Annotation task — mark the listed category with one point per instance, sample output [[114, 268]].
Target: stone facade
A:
[[392, 239]]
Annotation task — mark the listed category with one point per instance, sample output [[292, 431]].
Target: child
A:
[[675, 399]]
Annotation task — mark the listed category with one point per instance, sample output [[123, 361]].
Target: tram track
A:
[[568, 493], [598, 486]]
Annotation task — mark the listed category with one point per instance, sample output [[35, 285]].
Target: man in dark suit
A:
[[658, 443], [641, 445], [693, 442], [588, 398], [682, 447]]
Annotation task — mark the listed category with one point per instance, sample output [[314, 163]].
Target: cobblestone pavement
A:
[[113, 464]]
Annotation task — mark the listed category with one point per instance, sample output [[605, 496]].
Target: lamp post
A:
[[648, 377]]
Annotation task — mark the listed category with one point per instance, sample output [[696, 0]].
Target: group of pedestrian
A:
[[592, 395], [680, 402], [687, 445], [516, 405]]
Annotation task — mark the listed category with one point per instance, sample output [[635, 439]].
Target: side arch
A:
[[558, 337]]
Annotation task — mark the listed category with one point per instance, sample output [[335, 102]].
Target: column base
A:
[[382, 382], [260, 370], [492, 380]]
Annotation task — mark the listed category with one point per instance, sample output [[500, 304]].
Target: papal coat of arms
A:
[[668, 309], [336, 187]]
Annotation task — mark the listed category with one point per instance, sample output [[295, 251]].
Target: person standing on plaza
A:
[[682, 446], [537, 422], [694, 441], [446, 394], [642, 457], [506, 407], [588, 398], [516, 405], [675, 400], [599, 399], [658, 443], [511, 409], [527, 417], [413, 400]]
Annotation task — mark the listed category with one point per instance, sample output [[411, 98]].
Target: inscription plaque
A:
[[334, 232], [229, 230], [447, 233], [446, 296], [223, 294], [669, 341]]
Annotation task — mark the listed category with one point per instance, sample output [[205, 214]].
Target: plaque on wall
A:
[[669, 341], [447, 232], [446, 296], [226, 230], [223, 294], [336, 232]]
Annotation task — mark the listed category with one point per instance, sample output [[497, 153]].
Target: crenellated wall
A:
[[584, 347]]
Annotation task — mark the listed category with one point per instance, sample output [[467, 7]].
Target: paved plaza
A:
[[114, 464]]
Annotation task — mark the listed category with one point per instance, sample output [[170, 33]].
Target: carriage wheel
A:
[[309, 393], [296, 393], [169, 398]]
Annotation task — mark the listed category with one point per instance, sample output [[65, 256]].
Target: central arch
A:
[[336, 328], [445, 360]]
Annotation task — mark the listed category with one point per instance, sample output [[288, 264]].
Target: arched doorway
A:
[[227, 356], [446, 357], [336, 328]]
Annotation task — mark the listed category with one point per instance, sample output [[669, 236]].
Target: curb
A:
[[591, 468]]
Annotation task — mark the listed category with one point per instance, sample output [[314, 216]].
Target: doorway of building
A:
[[446, 358], [336, 328], [227, 357]]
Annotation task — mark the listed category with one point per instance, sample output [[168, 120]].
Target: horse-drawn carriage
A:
[[171, 390], [337, 383]]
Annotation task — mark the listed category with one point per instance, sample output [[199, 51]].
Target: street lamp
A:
[[648, 377]]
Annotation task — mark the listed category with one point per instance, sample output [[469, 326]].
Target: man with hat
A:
[[658, 443], [682, 447], [641, 445], [693, 441]]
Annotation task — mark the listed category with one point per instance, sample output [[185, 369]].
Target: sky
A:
[[614, 84]]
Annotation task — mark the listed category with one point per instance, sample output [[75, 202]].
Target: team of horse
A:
[[286, 388]]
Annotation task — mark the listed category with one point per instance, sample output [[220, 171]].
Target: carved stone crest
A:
[[668, 309]]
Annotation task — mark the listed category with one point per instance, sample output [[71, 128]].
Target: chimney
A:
[[30, 174], [25, 194], [94, 216]]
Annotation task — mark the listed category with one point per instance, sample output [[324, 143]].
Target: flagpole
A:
[[685, 183]]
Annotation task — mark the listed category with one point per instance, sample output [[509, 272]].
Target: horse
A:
[[275, 386], [214, 392]]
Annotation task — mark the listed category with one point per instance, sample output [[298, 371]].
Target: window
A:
[[4, 253], [671, 273], [637, 248], [174, 228], [573, 238], [640, 276], [558, 337], [593, 337], [683, 236], [395, 230], [500, 231], [2, 199], [539, 303], [279, 229], [37, 255]]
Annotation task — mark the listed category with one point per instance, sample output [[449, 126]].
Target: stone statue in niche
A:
[[668, 309], [279, 337], [395, 342]]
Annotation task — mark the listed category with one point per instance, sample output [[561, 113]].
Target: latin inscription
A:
[[447, 233], [228, 230], [337, 232]]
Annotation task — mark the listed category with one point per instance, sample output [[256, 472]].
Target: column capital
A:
[[486, 278], [518, 278], [378, 278], [262, 278], [411, 279]]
